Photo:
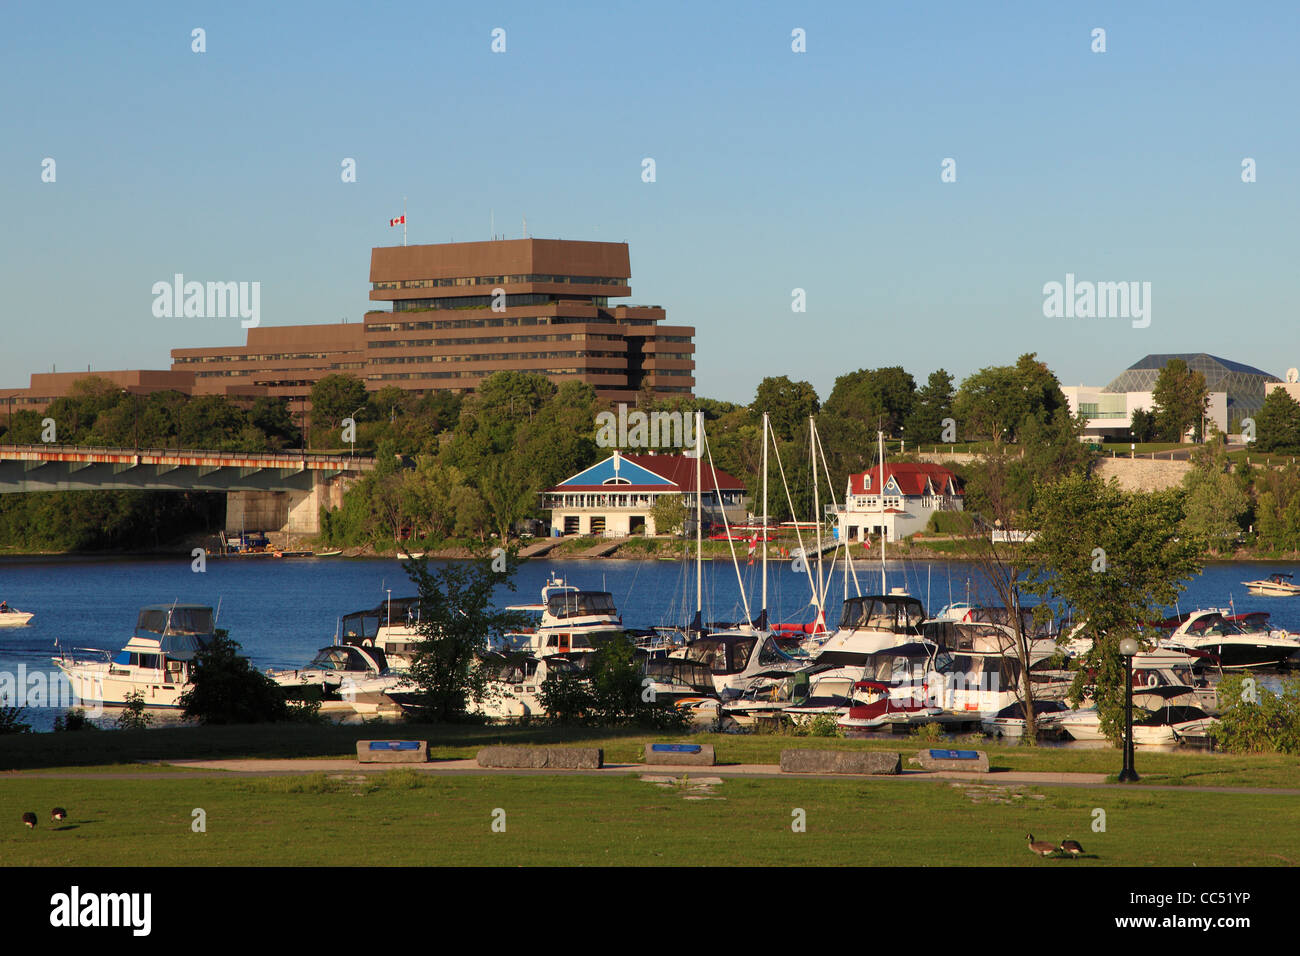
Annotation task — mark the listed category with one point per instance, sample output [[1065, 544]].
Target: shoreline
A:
[[559, 553]]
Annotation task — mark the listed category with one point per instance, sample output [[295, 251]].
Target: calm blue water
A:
[[283, 611]]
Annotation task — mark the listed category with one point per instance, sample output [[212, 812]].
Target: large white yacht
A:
[[157, 662], [1214, 631], [571, 621]]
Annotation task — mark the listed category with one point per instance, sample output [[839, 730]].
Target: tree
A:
[[1114, 559], [1277, 426], [457, 624], [933, 404], [1180, 399], [788, 404], [1216, 500], [335, 397], [669, 514], [227, 689], [1143, 426], [994, 402]]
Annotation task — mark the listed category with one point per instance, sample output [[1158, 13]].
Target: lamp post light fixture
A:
[[1127, 648]]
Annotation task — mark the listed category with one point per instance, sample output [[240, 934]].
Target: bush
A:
[[228, 690], [1254, 719], [950, 522], [608, 694], [74, 720], [133, 716], [10, 723]]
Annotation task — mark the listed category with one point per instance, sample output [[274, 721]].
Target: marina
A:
[[284, 614]]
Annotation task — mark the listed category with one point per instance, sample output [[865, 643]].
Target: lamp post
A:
[[354, 429], [1127, 648]]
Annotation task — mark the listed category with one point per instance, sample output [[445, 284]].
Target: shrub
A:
[[75, 719], [10, 722], [1254, 719], [228, 690], [133, 716], [608, 694]]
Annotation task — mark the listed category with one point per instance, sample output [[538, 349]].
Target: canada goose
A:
[[57, 814], [1040, 847], [1072, 847], [30, 820]]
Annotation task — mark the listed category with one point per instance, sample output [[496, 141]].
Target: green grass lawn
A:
[[108, 750], [403, 818]]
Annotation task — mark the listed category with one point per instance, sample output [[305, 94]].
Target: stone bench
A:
[[542, 758], [968, 761], [840, 761], [392, 751], [691, 755]]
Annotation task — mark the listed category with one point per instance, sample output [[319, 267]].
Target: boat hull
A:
[[95, 683]]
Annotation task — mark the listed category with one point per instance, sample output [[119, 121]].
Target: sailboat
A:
[[874, 622], [740, 655]]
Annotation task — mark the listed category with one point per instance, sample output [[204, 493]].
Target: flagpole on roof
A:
[[403, 220]]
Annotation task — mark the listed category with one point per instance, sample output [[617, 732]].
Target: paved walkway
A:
[[210, 769]]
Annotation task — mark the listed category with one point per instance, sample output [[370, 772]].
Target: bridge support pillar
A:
[[297, 512]]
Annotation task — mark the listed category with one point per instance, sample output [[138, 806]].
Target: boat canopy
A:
[[897, 613], [403, 612], [180, 630], [580, 604]]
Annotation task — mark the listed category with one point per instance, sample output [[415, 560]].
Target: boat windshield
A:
[[580, 604], [1212, 624], [902, 615], [175, 620]]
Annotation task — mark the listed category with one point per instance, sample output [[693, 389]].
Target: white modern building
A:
[[897, 501], [1109, 414]]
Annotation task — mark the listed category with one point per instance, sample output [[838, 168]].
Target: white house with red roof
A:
[[902, 507], [616, 497]]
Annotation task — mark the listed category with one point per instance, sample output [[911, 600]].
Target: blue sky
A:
[[775, 171]]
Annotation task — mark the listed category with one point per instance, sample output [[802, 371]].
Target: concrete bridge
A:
[[264, 492]]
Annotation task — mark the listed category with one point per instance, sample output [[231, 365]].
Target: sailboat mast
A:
[[699, 516], [812, 451], [763, 614], [880, 438]]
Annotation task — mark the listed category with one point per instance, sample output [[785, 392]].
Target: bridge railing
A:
[[295, 459]]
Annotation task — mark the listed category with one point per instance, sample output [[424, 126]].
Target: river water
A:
[[283, 610]]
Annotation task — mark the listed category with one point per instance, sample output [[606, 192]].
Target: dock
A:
[[606, 548], [538, 548]]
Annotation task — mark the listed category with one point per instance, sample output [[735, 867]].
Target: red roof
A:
[[910, 478]]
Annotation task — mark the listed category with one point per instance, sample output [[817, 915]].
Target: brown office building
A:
[[458, 313], [283, 361], [461, 311]]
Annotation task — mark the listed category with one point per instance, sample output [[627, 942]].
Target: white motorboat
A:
[[737, 658], [571, 621], [871, 624], [1166, 723], [873, 705], [12, 617], [1277, 584], [331, 668], [157, 662], [1213, 630], [1010, 720], [392, 628]]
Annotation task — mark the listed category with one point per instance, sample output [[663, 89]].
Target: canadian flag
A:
[[399, 221]]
